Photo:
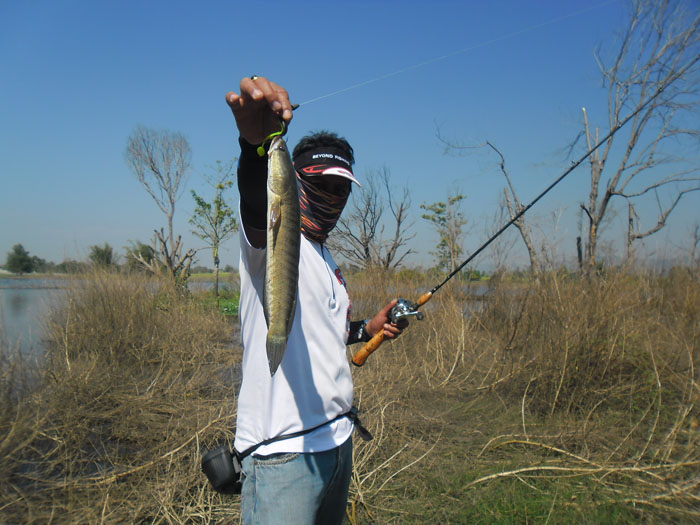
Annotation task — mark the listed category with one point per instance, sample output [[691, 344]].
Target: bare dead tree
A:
[[633, 232], [657, 53], [360, 236], [390, 255], [512, 201], [694, 259], [353, 236], [501, 249], [160, 159], [514, 207], [173, 264]]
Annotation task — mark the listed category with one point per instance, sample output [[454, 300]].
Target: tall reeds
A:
[[135, 380], [560, 399], [585, 385]]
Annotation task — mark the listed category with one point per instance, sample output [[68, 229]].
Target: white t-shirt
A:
[[313, 383]]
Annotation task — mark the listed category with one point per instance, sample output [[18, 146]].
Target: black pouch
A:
[[223, 470]]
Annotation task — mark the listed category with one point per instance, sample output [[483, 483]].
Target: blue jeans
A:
[[297, 489]]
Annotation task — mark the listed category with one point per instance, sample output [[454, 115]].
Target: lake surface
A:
[[24, 307], [26, 302]]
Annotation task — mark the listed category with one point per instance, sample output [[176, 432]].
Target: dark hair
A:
[[323, 139]]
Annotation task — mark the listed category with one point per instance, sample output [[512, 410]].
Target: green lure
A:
[[280, 133]]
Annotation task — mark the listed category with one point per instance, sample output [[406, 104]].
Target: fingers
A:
[[263, 91], [277, 97], [392, 331], [385, 311], [382, 323], [259, 107], [233, 100]]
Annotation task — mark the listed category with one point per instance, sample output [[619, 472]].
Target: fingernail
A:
[[276, 105], [257, 93], [287, 115]]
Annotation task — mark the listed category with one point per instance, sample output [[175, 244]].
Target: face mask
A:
[[320, 209]]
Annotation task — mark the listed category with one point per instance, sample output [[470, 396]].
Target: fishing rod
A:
[[405, 308]]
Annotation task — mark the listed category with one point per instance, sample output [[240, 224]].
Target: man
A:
[[302, 479]]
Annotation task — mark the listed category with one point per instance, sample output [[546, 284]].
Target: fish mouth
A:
[[277, 143]]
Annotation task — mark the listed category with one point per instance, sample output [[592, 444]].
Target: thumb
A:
[[385, 311]]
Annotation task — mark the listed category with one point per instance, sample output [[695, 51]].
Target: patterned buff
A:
[[320, 210]]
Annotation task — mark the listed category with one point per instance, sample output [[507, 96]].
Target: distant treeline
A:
[[19, 261]]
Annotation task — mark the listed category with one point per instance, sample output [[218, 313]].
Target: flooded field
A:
[[24, 305]]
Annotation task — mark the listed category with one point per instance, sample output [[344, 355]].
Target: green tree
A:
[[40, 265], [19, 261], [102, 256], [449, 222], [71, 266], [215, 221]]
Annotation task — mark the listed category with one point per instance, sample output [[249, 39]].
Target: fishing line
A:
[[459, 52]]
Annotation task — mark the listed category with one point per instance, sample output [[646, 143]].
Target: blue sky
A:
[[78, 76]]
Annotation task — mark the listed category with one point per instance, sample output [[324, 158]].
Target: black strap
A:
[[351, 414]]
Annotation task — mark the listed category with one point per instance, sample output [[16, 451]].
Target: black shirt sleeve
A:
[[252, 182]]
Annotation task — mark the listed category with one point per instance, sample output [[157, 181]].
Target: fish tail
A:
[[275, 345]]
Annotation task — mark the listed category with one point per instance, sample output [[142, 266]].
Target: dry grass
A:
[[562, 400], [136, 381], [557, 401]]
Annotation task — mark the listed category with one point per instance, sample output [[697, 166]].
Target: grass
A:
[[570, 401], [226, 303], [136, 381], [556, 401], [209, 276]]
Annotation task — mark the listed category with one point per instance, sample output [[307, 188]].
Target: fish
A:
[[282, 254]]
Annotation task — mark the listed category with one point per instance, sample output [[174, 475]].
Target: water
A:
[[203, 286], [24, 306], [26, 302]]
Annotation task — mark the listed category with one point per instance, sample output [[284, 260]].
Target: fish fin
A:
[[293, 311], [276, 346], [264, 302]]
